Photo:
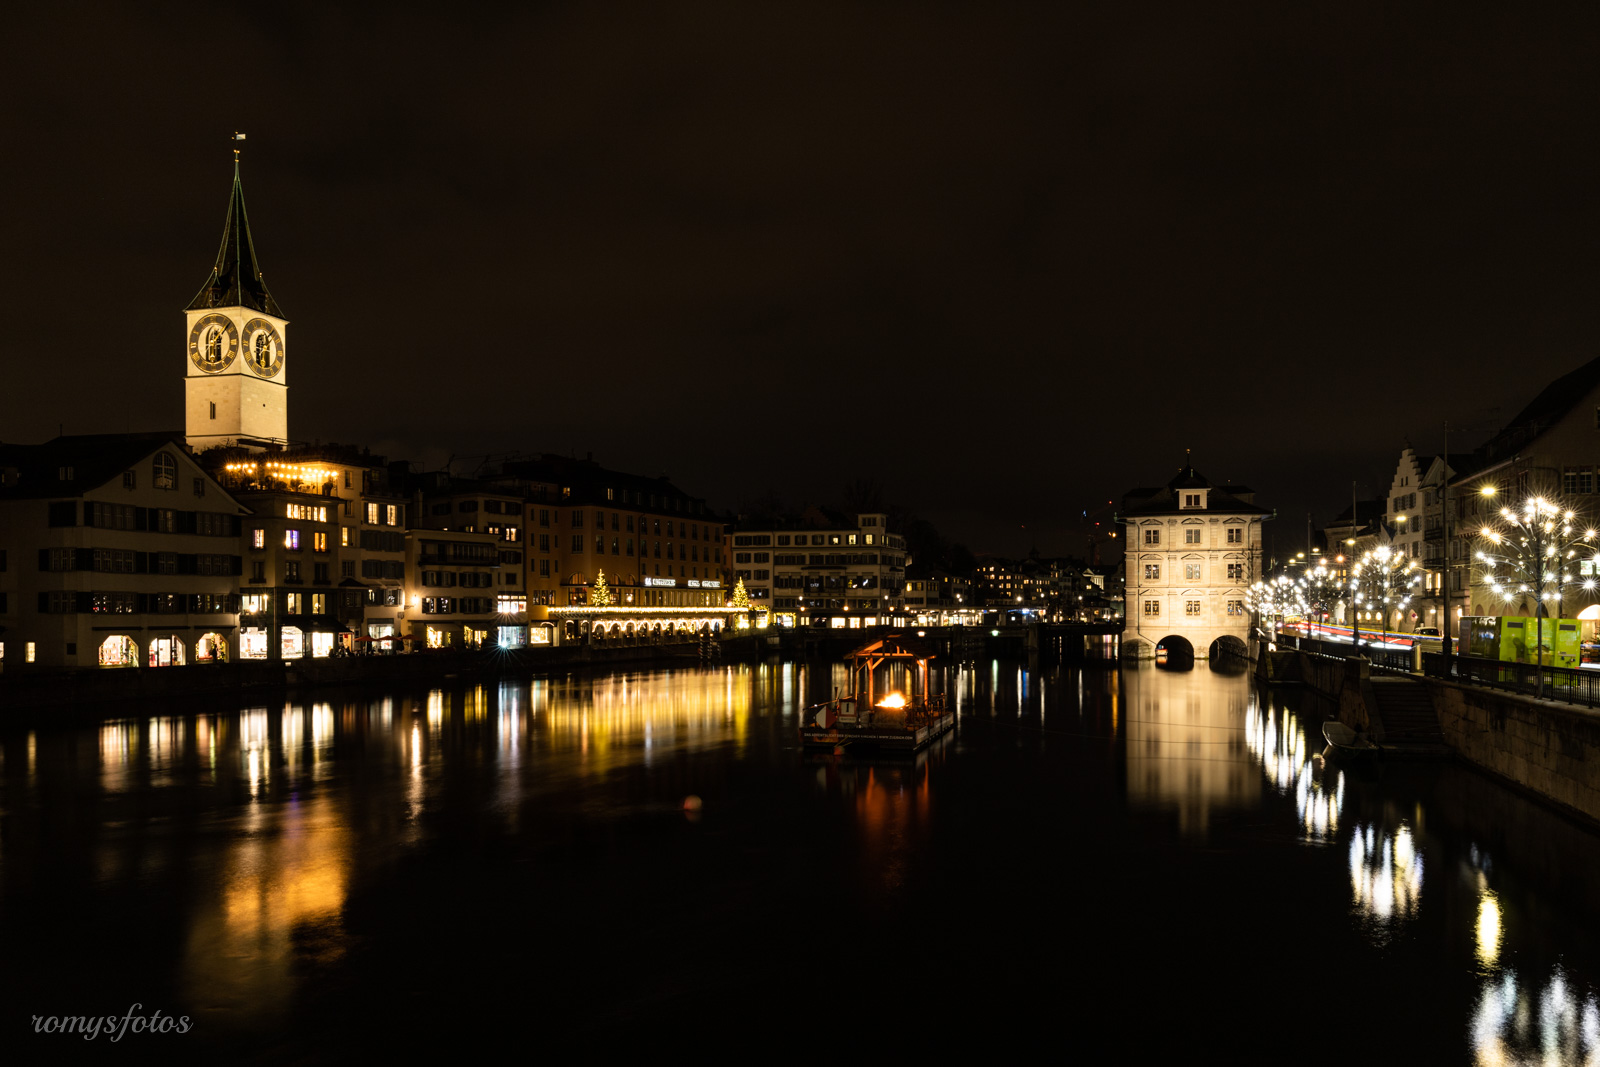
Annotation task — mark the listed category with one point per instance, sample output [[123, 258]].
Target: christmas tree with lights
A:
[[741, 599], [600, 595]]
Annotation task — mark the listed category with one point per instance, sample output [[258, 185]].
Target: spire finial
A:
[[237, 136]]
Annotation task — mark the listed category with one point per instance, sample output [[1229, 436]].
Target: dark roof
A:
[[589, 482], [1545, 410], [235, 279], [1366, 512], [1164, 500], [92, 459]]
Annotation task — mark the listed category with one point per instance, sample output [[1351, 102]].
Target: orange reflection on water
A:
[[289, 873], [687, 709]]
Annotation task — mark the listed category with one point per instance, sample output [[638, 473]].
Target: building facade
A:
[[824, 570], [118, 551], [1194, 549]]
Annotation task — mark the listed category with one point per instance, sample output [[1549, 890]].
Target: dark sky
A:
[[1007, 260]]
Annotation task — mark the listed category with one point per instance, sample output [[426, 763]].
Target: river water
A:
[[1113, 866]]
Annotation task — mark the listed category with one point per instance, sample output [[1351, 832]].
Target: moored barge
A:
[[898, 722]]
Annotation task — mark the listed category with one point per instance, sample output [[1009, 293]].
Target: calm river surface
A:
[[1110, 866]]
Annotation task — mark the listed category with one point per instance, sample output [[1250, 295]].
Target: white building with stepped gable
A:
[[1193, 550]]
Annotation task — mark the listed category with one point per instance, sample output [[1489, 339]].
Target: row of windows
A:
[[123, 603], [1152, 608], [784, 540], [1192, 572], [129, 517], [386, 514], [127, 561], [467, 605], [621, 522], [464, 579], [459, 552], [1191, 535]]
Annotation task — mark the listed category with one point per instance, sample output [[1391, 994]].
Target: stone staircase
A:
[[1405, 707]]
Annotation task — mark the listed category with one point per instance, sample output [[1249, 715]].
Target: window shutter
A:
[[44, 561], [44, 603], [84, 560], [141, 563], [238, 564], [85, 602], [141, 518]]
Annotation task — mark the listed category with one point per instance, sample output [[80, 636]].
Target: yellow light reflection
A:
[[1489, 932]]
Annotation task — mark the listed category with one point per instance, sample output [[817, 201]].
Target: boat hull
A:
[[879, 737]]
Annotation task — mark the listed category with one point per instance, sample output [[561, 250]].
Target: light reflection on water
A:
[[299, 803], [1522, 1024]]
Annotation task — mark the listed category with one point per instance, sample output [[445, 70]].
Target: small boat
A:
[[1343, 741], [896, 723]]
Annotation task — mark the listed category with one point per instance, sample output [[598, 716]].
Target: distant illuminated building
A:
[[1193, 550]]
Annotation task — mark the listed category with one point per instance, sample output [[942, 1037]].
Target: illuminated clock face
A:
[[213, 343], [263, 347]]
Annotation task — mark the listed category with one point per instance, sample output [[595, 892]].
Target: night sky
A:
[[1009, 261]]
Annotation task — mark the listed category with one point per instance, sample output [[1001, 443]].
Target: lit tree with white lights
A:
[[741, 599], [1384, 580], [1529, 554], [1321, 589]]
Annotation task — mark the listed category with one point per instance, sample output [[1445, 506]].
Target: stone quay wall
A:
[[1550, 749]]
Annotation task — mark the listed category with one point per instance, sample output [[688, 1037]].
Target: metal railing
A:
[[1566, 684], [1398, 660]]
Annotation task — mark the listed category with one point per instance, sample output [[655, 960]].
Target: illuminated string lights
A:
[[1384, 580], [1532, 553], [272, 470]]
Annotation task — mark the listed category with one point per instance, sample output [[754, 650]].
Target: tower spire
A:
[[235, 279]]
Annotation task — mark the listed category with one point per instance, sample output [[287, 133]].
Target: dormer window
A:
[[1194, 500], [164, 471]]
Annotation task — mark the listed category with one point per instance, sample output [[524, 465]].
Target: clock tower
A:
[[236, 391]]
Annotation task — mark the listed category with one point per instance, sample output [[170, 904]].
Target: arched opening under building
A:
[[1229, 647], [1174, 652], [1229, 650]]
